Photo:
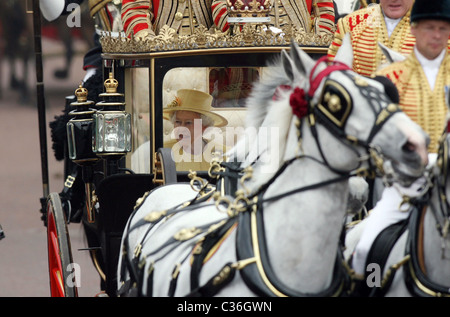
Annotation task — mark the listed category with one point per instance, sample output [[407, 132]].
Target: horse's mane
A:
[[258, 102], [264, 112]]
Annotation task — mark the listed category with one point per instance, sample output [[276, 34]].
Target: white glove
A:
[[51, 9]]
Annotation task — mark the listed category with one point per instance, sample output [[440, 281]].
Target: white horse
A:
[[418, 264], [270, 241]]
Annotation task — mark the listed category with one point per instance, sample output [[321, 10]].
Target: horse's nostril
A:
[[409, 147]]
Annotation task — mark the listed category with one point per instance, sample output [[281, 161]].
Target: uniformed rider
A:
[[387, 23], [422, 79]]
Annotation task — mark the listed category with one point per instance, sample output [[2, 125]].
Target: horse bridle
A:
[[325, 112], [334, 107]]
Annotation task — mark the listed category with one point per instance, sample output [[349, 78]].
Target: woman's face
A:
[[188, 127]]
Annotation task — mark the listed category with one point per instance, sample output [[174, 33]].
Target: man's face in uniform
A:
[[396, 9], [431, 37]]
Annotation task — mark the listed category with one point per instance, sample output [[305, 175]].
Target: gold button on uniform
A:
[[178, 16]]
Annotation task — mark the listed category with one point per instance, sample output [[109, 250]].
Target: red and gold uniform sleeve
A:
[[367, 28], [344, 26], [137, 15], [219, 13], [426, 107], [323, 16]]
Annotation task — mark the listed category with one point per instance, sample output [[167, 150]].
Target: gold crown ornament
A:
[[249, 11], [111, 97], [82, 104], [111, 84], [81, 93]]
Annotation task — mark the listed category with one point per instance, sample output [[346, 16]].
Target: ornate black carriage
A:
[[141, 78]]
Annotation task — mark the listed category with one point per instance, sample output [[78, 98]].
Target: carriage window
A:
[[220, 92], [217, 122], [231, 86], [137, 103]]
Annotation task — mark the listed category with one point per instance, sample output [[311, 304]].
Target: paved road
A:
[[23, 252]]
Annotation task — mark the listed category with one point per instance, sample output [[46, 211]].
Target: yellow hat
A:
[[196, 101]]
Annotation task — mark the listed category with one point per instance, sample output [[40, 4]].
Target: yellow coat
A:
[[201, 162], [425, 106], [367, 27]]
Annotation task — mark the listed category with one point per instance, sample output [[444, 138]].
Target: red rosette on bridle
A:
[[298, 102]]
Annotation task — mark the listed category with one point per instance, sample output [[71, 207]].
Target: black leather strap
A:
[[208, 243], [379, 253]]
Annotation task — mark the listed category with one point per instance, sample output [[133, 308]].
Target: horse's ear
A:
[[391, 55], [345, 52], [287, 65], [302, 61]]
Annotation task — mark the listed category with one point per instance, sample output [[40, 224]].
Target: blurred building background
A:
[[23, 251]]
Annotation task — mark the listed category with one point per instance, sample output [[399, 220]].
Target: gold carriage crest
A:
[[250, 35]]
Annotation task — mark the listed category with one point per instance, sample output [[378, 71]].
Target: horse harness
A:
[[246, 212], [336, 104], [415, 277]]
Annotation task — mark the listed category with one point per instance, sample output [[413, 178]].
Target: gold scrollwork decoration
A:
[[155, 216], [202, 38], [187, 233]]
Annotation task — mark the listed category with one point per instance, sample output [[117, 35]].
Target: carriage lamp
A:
[[248, 11], [112, 125], [79, 140], [79, 129]]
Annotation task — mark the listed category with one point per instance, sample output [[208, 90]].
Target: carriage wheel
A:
[[62, 283]]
